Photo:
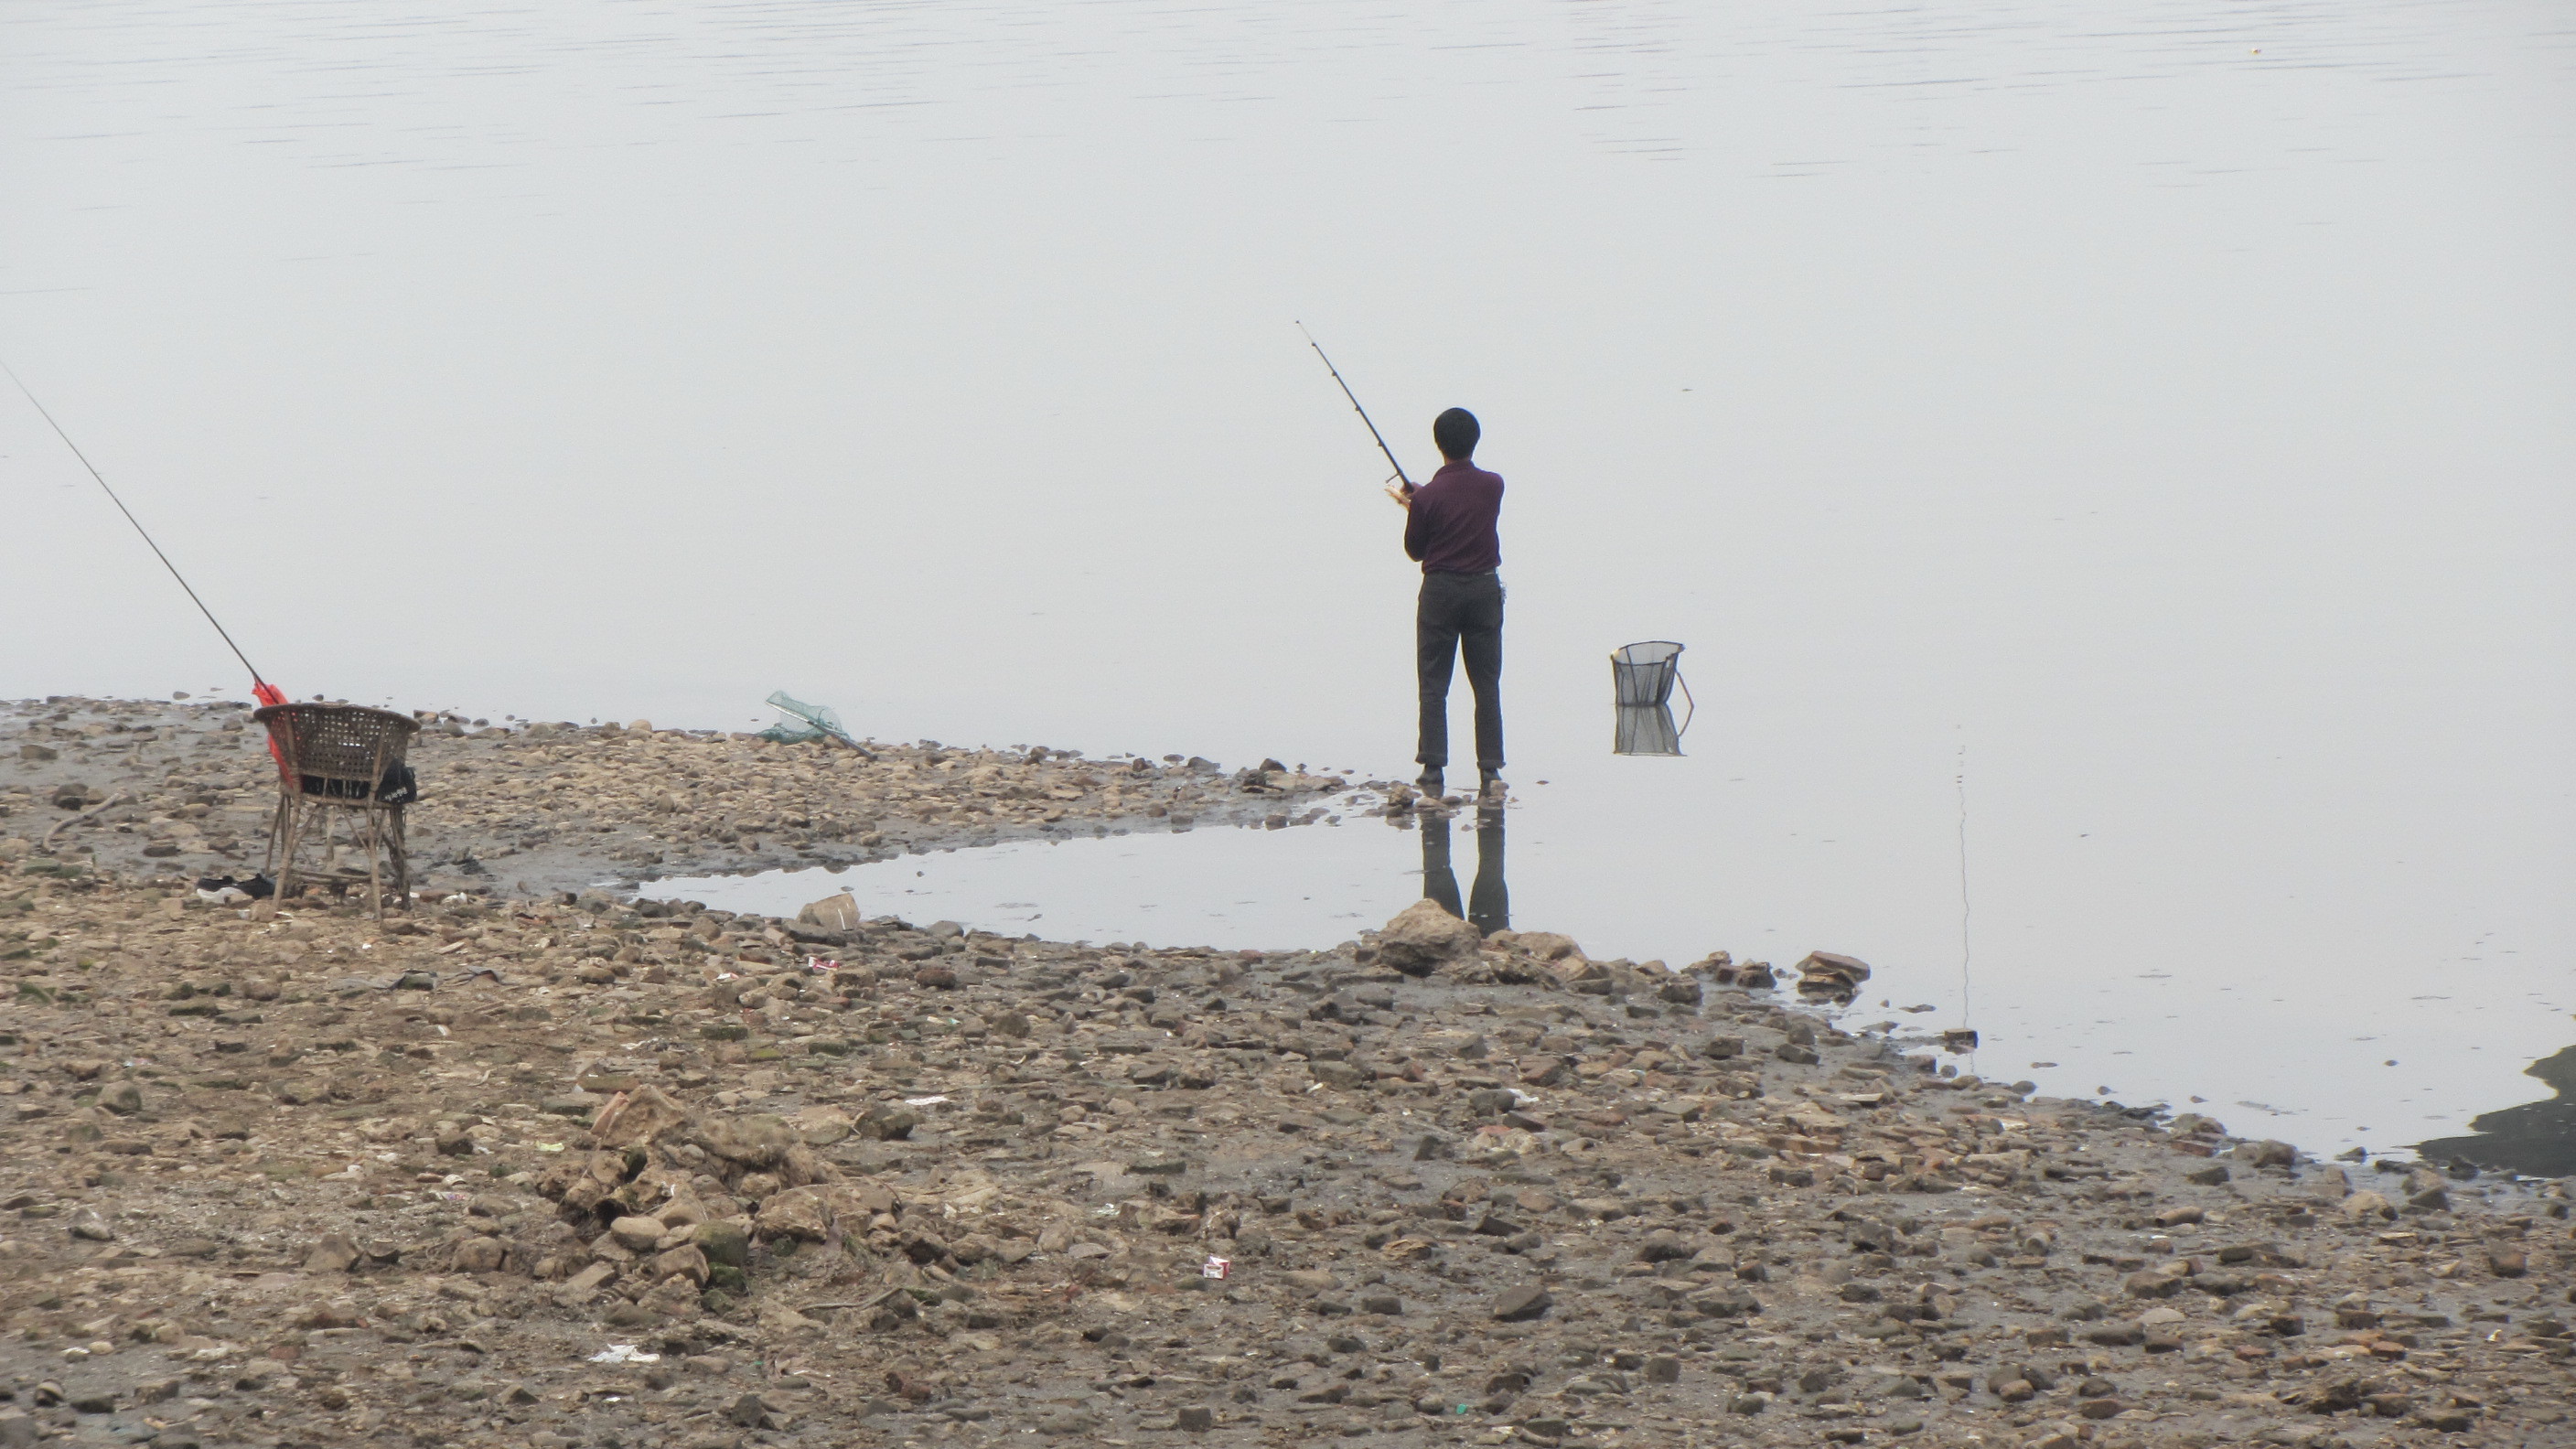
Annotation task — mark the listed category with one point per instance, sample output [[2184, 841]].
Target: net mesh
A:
[[1643, 674], [804, 722]]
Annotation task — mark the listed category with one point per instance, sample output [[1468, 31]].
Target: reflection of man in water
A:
[[1449, 529], [1489, 908]]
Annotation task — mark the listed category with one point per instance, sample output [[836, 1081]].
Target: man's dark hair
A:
[[1456, 433]]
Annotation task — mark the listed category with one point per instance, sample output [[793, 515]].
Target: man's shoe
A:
[[1430, 783], [1491, 785]]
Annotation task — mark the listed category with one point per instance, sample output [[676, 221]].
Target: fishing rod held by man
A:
[[1392, 490]]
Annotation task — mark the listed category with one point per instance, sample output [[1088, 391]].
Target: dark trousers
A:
[[1460, 614], [1489, 904]]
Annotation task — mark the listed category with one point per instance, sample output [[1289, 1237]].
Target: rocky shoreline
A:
[[183, 787], [538, 1165]]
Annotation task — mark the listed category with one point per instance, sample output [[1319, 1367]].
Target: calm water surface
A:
[[2145, 427]]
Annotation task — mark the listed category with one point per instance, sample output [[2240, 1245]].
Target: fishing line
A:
[[138, 523], [1964, 910]]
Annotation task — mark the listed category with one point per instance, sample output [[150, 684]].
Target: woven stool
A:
[[340, 764]]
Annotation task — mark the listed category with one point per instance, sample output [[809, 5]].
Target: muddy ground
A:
[[513, 1169]]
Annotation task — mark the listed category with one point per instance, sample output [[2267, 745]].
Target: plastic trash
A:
[[808, 722], [1216, 1267], [624, 1353]]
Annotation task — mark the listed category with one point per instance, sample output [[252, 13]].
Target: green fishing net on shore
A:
[[805, 722]]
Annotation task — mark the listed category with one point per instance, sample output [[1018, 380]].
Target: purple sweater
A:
[[1451, 529]]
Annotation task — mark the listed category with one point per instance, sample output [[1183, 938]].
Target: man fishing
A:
[[1449, 528]]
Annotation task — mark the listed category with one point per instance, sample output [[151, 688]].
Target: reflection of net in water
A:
[[1642, 677], [1646, 729]]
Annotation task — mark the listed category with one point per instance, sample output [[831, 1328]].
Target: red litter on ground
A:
[[1217, 1268]]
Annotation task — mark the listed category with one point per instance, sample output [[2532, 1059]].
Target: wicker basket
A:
[[342, 751], [340, 761]]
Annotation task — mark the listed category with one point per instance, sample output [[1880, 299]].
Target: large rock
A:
[[1831, 972], [1834, 963], [798, 1212], [673, 1297], [1422, 938], [821, 1126], [1549, 945], [631, 1119], [811, 1212], [724, 1242], [857, 1202], [802, 1166], [887, 1122], [751, 1141], [583, 1182], [832, 913], [479, 1255], [686, 1259], [2266, 1153], [1579, 971], [636, 1234]]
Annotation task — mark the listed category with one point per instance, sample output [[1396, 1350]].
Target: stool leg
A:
[[402, 860], [276, 833], [368, 822], [291, 812]]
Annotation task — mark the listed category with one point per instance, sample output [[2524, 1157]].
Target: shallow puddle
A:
[[1304, 887], [2163, 1030]]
